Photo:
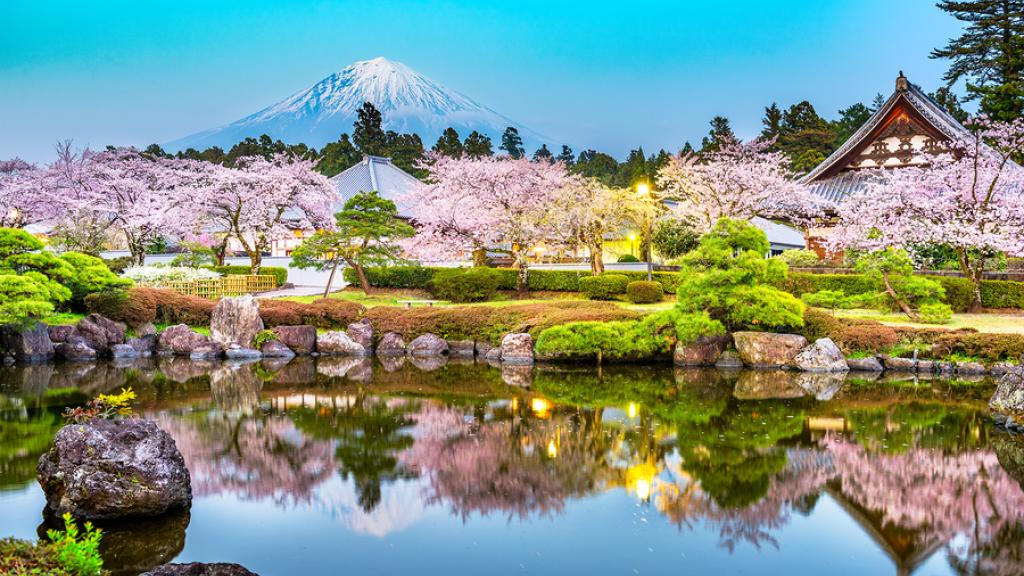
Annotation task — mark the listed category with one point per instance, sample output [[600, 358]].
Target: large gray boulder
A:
[[1008, 400], [768, 350], [236, 320], [75, 350], [145, 344], [180, 340], [107, 469], [868, 364], [362, 333], [300, 339], [461, 348], [276, 349], [60, 333], [517, 349], [26, 344], [822, 356], [391, 345], [427, 345], [729, 360], [338, 343], [100, 333], [705, 351], [897, 364], [199, 569]]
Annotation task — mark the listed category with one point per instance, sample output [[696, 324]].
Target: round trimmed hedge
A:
[[603, 287], [644, 292]]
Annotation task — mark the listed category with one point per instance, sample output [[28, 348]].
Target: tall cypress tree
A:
[[989, 55], [477, 145], [368, 133], [448, 144], [512, 143]]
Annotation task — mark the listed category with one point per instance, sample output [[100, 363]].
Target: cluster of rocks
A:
[[791, 351]]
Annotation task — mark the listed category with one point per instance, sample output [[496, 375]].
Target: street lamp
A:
[[632, 239], [643, 191]]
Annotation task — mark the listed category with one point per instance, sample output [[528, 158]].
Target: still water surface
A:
[[342, 466]]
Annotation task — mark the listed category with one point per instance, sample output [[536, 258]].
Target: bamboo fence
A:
[[230, 285]]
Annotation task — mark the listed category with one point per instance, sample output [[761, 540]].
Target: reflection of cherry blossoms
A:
[[966, 500], [514, 467], [253, 458]]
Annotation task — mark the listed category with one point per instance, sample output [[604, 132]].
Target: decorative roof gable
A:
[[902, 132]]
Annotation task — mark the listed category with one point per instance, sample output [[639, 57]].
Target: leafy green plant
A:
[[644, 292], [89, 276], [827, 299], [627, 258], [465, 284], [727, 283], [603, 287], [936, 313], [77, 551], [264, 336], [800, 258], [195, 254], [674, 237], [104, 406], [31, 278], [892, 272]]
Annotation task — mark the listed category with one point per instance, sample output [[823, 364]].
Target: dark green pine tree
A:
[[155, 151], [806, 137], [949, 100], [989, 55], [566, 156], [543, 153], [477, 145], [772, 122], [338, 156], [877, 102], [367, 132], [512, 143], [686, 150], [594, 164], [850, 119], [405, 151], [448, 144], [721, 131]]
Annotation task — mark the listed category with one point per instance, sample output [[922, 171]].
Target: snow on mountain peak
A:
[[407, 100]]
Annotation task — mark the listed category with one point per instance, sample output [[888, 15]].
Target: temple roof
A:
[[837, 176], [374, 173]]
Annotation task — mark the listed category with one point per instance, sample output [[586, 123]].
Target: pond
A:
[[345, 466]]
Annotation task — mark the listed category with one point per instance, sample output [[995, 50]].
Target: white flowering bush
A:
[[161, 275]]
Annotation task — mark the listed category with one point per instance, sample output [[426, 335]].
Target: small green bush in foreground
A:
[[644, 292], [603, 287]]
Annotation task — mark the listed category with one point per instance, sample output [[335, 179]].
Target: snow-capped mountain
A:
[[409, 102]]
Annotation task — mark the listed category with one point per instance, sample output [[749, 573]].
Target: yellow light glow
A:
[[643, 489], [552, 449], [539, 248], [298, 233], [515, 404], [631, 410], [540, 405], [632, 237], [642, 189]]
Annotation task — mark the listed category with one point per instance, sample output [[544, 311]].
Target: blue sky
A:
[[604, 75]]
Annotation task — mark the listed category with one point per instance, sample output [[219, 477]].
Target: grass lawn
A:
[[996, 322], [386, 297], [62, 319]]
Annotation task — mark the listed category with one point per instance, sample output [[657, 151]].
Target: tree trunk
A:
[[361, 274], [480, 258], [138, 253], [521, 274], [255, 260], [596, 248], [330, 279], [974, 274], [896, 298]]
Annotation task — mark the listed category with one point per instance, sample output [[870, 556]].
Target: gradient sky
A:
[[604, 75]]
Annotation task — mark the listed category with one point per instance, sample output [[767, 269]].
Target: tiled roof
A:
[[375, 173], [836, 187]]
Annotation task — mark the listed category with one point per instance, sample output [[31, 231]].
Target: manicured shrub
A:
[[279, 273], [935, 313], [118, 265], [465, 284], [90, 275], [603, 287], [644, 292], [673, 237], [322, 313], [852, 335], [394, 276], [827, 299], [800, 258], [990, 347], [554, 280], [627, 258], [643, 339], [1001, 294]]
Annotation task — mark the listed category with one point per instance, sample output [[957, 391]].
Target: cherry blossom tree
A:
[[19, 200], [969, 198], [262, 200], [585, 210], [738, 181], [471, 204]]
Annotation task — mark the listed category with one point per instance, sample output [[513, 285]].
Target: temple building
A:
[[904, 131]]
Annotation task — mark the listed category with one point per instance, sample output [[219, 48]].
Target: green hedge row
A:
[[280, 274], [538, 280], [994, 293]]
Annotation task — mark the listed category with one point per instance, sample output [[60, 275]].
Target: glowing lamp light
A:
[[643, 488], [552, 449], [642, 189], [631, 410], [632, 237], [540, 406]]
